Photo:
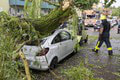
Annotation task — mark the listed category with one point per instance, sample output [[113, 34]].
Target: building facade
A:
[[17, 7]]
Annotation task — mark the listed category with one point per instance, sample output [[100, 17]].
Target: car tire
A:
[[86, 40], [53, 63]]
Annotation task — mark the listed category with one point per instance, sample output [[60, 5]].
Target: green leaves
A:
[[32, 9], [85, 4], [12, 34], [80, 73], [8, 67], [108, 3], [116, 11]]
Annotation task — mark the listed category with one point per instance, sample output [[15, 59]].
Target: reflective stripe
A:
[[109, 48], [79, 38], [98, 44], [102, 17], [97, 48]]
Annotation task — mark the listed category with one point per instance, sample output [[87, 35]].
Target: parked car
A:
[[52, 50]]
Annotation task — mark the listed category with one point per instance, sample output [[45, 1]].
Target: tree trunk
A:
[[52, 21], [27, 71]]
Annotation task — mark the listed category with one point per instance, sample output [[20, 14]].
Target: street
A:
[[101, 64]]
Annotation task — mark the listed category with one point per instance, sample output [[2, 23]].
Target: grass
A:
[[79, 73], [116, 73], [92, 38]]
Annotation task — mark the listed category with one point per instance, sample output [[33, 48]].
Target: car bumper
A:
[[39, 64], [39, 67]]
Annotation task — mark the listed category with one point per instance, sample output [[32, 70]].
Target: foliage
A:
[[75, 24], [50, 22], [32, 8], [16, 27], [85, 4], [26, 7], [79, 73], [12, 30], [9, 67], [115, 11], [35, 9], [108, 3], [7, 71]]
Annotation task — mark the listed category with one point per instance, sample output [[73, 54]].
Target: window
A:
[[62, 36], [91, 16], [65, 36], [56, 39]]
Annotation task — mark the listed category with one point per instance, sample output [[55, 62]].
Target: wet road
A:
[[101, 64]]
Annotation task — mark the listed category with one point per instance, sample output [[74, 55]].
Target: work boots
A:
[[110, 53], [118, 31], [96, 51]]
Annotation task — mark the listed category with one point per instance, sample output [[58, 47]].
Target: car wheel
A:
[[86, 40], [53, 63]]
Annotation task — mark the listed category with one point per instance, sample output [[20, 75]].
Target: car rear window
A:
[[36, 42]]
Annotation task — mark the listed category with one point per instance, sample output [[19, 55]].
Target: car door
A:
[[57, 47], [66, 42]]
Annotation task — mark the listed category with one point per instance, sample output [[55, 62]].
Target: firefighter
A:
[[104, 35]]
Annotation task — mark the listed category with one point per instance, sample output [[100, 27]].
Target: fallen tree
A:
[[40, 27], [15, 32]]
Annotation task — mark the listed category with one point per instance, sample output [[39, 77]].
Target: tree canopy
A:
[[108, 3], [115, 11], [85, 4]]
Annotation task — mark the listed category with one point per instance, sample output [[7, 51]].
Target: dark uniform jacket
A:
[[106, 28]]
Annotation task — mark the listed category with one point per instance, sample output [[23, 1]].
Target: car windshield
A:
[[91, 16]]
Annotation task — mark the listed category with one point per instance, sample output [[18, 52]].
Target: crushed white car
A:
[[51, 50]]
